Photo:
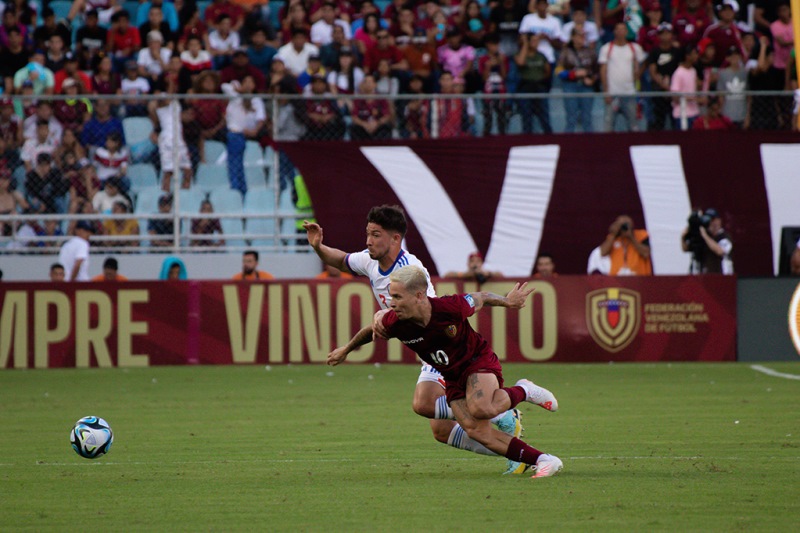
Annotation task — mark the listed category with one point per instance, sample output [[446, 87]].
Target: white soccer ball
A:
[[91, 437]]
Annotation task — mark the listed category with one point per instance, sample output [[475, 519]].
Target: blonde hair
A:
[[412, 277]]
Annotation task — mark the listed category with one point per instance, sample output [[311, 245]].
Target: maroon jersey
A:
[[448, 342]]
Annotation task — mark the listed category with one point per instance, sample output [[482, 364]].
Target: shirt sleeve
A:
[[357, 263], [460, 306], [389, 320]]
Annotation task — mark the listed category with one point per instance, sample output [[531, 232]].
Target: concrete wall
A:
[[148, 266]]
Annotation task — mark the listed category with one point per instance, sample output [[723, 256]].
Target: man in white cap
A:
[[725, 34]]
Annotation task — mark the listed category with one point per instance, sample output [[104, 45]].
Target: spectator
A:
[[763, 110], [620, 67], [724, 33], [69, 144], [475, 270], [40, 77], [11, 22], [315, 68], [86, 84], [75, 111], [172, 269], [347, 77], [106, 9], [111, 161], [627, 248], [162, 230], [260, 52], [296, 19], [250, 271], [43, 143], [219, 8], [630, 13], [504, 19], [90, 41], [164, 116], [690, 22], [103, 201], [372, 119], [545, 266], [57, 274], [110, 272], [713, 119], [578, 70], [10, 131], [710, 245], [329, 54], [168, 10], [156, 22], [662, 61], [210, 112], [96, 130], [194, 59], [56, 55], [598, 264], [420, 55], [472, 26], [322, 29], [121, 227], [534, 72], [322, 117], [194, 27], [404, 28], [123, 40], [455, 57], [222, 42], [416, 112], [331, 272], [153, 59], [580, 22], [295, 54], [684, 80], [706, 70], [49, 28], [51, 231], [44, 112], [207, 226], [11, 201], [493, 67], [385, 81], [74, 254], [83, 182], [13, 58], [648, 34], [733, 82], [384, 49], [366, 37], [240, 68], [245, 118], [453, 113], [134, 87], [542, 23], [782, 37]]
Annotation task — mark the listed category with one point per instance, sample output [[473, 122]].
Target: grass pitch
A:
[[680, 447]]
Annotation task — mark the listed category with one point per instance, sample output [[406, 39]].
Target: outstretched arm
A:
[[340, 354], [330, 256], [513, 300]]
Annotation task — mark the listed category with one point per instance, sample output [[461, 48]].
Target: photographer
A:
[[627, 248], [710, 245], [475, 270]]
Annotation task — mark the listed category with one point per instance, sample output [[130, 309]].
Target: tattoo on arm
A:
[[493, 300], [364, 336]]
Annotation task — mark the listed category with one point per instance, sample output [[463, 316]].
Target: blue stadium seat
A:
[[137, 129], [190, 200], [275, 7], [61, 8], [253, 155], [147, 200], [226, 200], [255, 178], [214, 151], [209, 176], [232, 226], [259, 228], [382, 5], [142, 175], [260, 201], [201, 8], [132, 7]]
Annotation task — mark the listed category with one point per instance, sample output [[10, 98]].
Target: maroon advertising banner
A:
[[569, 319]]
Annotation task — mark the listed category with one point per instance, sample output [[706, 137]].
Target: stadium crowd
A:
[[70, 155]]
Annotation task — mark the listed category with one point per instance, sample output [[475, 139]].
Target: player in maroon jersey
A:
[[437, 329]]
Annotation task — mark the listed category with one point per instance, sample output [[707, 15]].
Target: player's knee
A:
[[479, 432], [482, 411], [422, 407], [441, 430]]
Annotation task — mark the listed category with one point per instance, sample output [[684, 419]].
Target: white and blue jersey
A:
[[363, 265]]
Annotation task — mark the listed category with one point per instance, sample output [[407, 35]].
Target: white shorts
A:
[[428, 373], [168, 157]]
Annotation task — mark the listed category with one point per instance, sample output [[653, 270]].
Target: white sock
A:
[[459, 439], [442, 410]]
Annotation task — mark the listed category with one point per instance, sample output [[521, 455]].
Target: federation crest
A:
[[613, 317], [451, 331]]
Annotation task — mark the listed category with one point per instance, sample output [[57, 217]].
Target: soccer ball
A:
[[91, 437]]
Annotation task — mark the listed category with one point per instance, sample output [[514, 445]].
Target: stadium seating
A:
[[211, 176], [260, 201], [233, 226], [190, 200], [132, 7], [137, 129], [226, 201], [142, 175], [253, 155], [255, 178], [147, 200], [275, 12], [60, 9], [201, 8], [214, 152]]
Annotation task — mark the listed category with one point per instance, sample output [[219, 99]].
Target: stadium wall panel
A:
[[769, 318], [569, 319]]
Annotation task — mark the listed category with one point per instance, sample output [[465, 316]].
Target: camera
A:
[[624, 227], [694, 240]]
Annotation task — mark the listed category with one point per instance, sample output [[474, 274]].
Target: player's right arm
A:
[[340, 354], [330, 256]]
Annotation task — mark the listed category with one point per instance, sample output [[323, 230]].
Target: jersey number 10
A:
[[439, 357]]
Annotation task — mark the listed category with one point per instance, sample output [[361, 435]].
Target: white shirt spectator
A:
[[56, 129], [341, 80], [296, 61], [109, 165], [589, 31], [32, 148], [102, 202], [196, 64], [322, 32], [621, 63], [153, 66], [549, 26], [72, 250], [227, 44], [237, 117], [134, 87]]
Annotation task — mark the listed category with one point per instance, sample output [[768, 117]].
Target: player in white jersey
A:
[[386, 228]]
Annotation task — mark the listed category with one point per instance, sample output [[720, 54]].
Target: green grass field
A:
[[680, 447]]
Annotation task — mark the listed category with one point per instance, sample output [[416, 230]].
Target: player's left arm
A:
[[513, 300], [364, 336]]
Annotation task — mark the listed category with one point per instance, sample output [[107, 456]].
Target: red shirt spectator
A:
[[725, 34], [224, 7], [382, 50], [124, 39], [241, 68]]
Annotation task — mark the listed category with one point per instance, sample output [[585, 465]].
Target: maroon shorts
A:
[[456, 384]]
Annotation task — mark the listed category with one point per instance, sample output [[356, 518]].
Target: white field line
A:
[[774, 373], [345, 460]]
